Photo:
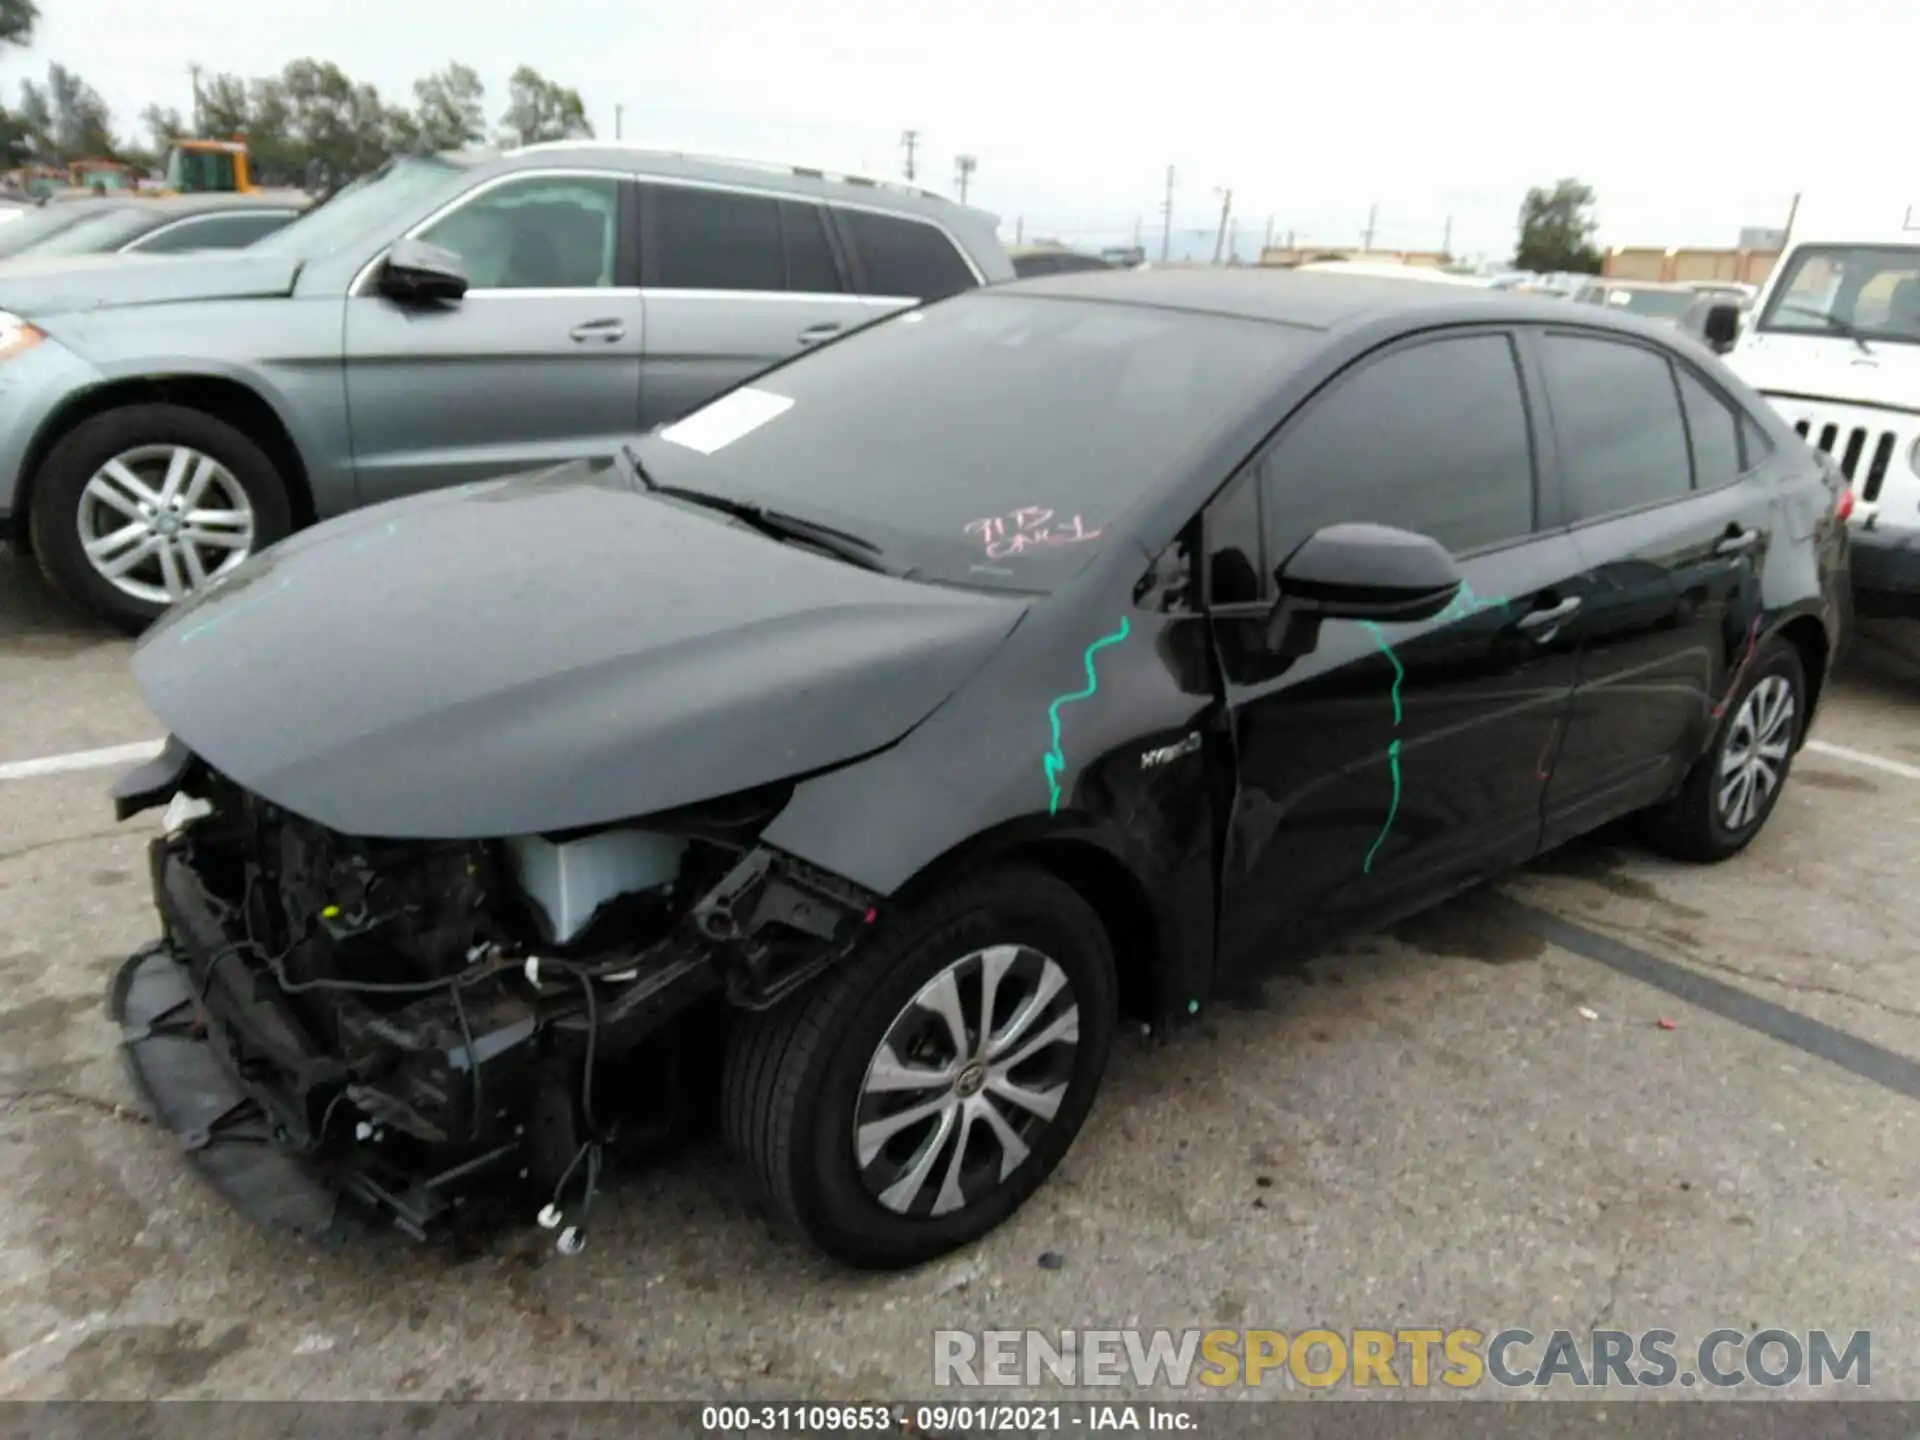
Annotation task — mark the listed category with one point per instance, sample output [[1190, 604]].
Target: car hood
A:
[[63, 284], [545, 653], [1831, 368]]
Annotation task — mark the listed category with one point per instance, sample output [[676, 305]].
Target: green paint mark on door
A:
[[1054, 762]]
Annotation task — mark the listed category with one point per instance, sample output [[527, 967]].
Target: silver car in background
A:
[[442, 320]]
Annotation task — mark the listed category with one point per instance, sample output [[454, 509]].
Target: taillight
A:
[[1844, 506]]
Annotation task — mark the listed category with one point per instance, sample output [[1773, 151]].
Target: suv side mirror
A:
[[1359, 572], [415, 270], [1721, 326]]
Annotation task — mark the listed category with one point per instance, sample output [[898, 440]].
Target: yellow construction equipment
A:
[[203, 167]]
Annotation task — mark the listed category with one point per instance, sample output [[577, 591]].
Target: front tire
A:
[[137, 508], [914, 1097], [1732, 790]]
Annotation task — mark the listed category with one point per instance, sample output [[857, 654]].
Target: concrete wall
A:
[[1644, 262]]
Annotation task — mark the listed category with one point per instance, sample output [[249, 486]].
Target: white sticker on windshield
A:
[[1619, 297], [726, 420]]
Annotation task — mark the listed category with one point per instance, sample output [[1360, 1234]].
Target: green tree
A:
[[1557, 229], [222, 109], [65, 119], [448, 113], [539, 109], [17, 19], [340, 124]]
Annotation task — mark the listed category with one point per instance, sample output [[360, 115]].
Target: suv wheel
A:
[[914, 1098], [138, 508], [1734, 787]]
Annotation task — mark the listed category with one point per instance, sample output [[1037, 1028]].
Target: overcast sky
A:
[[1689, 119]]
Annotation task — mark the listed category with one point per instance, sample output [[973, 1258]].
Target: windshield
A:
[[374, 201], [193, 172], [1871, 290], [1656, 304], [989, 441], [100, 232], [39, 224]]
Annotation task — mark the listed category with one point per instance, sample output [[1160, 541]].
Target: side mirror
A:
[[1359, 572], [415, 270], [1721, 326]]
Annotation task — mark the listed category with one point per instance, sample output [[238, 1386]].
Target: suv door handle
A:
[[605, 331], [1738, 542], [1549, 617], [814, 334]]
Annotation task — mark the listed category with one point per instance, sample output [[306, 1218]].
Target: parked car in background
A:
[[131, 225], [441, 320], [1741, 294], [1655, 300], [1834, 343], [1031, 260], [889, 728], [1388, 270]]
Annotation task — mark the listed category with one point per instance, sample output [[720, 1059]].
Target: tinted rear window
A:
[[992, 441], [907, 258]]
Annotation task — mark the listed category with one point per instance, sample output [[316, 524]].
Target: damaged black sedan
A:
[[849, 756]]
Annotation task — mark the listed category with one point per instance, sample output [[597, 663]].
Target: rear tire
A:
[[82, 495], [1732, 790], [815, 1088]]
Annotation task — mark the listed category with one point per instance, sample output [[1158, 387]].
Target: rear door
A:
[[735, 281], [538, 363], [1393, 763], [1658, 479]]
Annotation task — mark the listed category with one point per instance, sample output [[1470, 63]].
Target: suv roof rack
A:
[[778, 167]]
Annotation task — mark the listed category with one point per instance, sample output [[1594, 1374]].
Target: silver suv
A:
[[445, 319]]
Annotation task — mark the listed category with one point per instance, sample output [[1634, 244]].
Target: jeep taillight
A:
[[1843, 507]]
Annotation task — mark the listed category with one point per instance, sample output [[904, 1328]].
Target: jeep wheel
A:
[[140, 507], [915, 1097]]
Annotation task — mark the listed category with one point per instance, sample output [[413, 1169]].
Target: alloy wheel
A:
[[1754, 756], [159, 522], [969, 1072]]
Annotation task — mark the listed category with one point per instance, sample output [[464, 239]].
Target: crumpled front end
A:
[[340, 1028]]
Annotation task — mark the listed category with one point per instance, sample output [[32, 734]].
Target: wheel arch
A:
[[1808, 636], [1146, 951], [219, 396]]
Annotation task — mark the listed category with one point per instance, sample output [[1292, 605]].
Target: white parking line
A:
[[1861, 757], [80, 760]]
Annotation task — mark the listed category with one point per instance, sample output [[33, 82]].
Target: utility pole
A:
[[1220, 235], [619, 113], [1446, 241], [1267, 244], [1233, 241], [194, 71], [1793, 211], [1020, 230], [963, 168], [910, 141], [1166, 219], [1373, 216]]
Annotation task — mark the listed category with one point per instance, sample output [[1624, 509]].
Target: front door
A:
[[735, 282], [1392, 763], [1672, 531], [538, 363]]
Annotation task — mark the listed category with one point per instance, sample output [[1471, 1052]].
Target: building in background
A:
[[1306, 254], [1747, 265]]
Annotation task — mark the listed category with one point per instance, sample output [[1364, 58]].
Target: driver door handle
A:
[[814, 334], [1737, 542], [605, 331], [1550, 616]]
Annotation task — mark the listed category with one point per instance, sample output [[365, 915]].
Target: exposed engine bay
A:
[[407, 1023]]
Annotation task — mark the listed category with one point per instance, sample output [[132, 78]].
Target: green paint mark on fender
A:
[[1463, 605], [1054, 762]]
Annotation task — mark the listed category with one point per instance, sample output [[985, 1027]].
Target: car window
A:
[[1755, 443], [715, 240], [906, 258], [996, 441], [212, 232], [810, 264], [1616, 414], [1713, 430], [1235, 549], [540, 232], [1431, 438], [1828, 289]]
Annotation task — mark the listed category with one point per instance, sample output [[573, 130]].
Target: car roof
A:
[[1315, 300]]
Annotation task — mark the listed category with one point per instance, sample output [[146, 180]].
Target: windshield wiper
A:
[[1834, 322], [841, 544]]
